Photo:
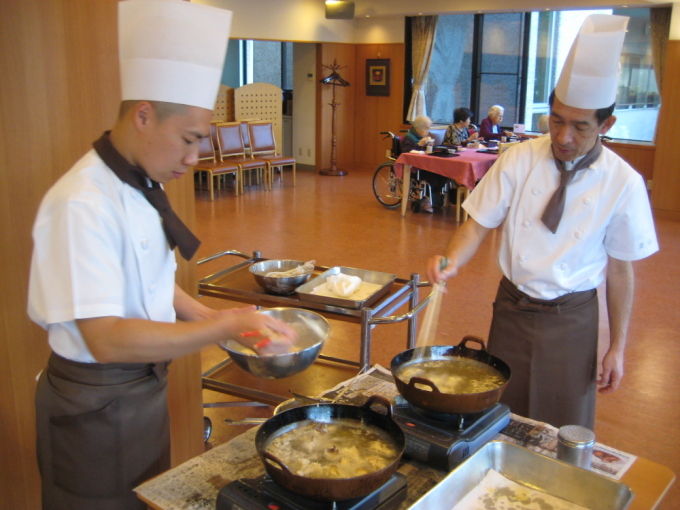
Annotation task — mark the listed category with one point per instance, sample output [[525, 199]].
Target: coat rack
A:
[[334, 80]]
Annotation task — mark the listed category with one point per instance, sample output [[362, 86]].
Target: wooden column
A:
[[666, 188]]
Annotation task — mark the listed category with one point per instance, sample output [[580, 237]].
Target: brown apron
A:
[[102, 430], [551, 348]]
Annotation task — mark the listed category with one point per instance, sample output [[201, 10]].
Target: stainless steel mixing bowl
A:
[[312, 329], [278, 285]]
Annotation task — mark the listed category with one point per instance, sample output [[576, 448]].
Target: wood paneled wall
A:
[[360, 118], [666, 190], [60, 90], [639, 156]]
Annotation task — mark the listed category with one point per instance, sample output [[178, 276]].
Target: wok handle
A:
[[474, 339], [425, 382], [274, 460], [379, 399]]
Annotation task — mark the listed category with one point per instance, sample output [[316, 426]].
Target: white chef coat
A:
[[607, 213], [99, 250]]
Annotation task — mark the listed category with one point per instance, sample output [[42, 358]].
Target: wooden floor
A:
[[337, 221]]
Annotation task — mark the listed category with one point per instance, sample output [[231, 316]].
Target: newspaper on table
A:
[[531, 434], [194, 484]]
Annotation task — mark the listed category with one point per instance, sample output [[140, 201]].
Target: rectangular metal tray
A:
[[385, 280], [576, 485]]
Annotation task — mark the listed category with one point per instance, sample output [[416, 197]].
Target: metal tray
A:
[[576, 485], [383, 279]]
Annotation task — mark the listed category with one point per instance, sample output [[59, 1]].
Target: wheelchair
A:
[[387, 187]]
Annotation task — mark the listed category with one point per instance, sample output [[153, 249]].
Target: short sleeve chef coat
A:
[[99, 250], [607, 213]]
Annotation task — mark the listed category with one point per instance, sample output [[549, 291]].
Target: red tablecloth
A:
[[466, 169]]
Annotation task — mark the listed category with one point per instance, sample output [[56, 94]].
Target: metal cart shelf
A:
[[235, 283]]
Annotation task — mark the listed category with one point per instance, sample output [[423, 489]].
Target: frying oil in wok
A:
[[454, 375], [344, 448]]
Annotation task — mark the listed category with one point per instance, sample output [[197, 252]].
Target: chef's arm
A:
[[122, 340], [620, 290], [189, 309], [462, 246]]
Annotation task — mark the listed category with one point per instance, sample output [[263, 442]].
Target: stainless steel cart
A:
[[235, 283]]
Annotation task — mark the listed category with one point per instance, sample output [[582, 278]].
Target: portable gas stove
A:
[[443, 440], [264, 494]]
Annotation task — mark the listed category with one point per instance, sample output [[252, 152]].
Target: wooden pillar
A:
[[666, 188]]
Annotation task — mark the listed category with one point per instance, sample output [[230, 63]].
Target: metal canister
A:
[[575, 445]]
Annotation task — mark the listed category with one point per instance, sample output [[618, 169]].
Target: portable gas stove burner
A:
[[264, 494], [444, 440]]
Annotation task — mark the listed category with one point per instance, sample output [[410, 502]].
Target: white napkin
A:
[[343, 285]]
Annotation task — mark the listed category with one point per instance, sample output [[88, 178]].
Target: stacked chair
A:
[[214, 168], [232, 150], [263, 147]]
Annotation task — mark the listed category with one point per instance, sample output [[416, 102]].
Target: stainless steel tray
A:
[[531, 469], [383, 279]]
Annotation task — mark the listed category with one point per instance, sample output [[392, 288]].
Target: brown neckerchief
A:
[[176, 232], [555, 207]]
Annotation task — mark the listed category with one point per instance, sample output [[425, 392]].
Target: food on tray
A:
[[454, 375], [346, 286], [500, 493], [343, 448], [305, 268]]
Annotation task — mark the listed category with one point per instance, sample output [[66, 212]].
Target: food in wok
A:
[[456, 375], [343, 448]]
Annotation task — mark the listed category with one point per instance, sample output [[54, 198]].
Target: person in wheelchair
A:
[[417, 138]]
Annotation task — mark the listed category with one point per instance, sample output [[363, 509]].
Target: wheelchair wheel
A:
[[387, 186]]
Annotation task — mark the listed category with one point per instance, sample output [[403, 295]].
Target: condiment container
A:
[[575, 445]]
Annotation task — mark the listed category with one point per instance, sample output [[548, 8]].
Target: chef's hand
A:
[[260, 332], [436, 272], [612, 372]]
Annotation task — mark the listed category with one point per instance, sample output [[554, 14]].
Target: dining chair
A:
[[213, 168], [263, 146], [231, 149]]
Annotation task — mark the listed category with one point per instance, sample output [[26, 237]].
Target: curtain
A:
[[660, 21], [423, 29]]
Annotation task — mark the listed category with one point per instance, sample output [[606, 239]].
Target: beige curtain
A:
[[660, 21], [423, 29]]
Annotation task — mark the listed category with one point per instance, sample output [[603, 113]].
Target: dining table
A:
[[466, 168]]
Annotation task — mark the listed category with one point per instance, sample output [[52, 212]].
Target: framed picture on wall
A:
[[378, 77]]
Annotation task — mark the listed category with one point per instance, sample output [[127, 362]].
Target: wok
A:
[[328, 489], [424, 394]]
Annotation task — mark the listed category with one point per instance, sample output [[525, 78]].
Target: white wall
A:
[[304, 103], [375, 21]]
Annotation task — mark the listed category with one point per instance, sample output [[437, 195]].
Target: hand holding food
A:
[[260, 332]]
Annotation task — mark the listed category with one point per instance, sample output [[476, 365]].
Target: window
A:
[[514, 59]]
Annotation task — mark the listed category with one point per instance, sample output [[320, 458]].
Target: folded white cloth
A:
[[343, 285]]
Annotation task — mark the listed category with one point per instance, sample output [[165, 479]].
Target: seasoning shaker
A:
[[575, 445]]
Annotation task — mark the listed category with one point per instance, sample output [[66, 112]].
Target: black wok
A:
[[424, 394], [329, 489]]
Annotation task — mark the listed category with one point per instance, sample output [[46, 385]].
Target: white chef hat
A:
[[172, 51], [590, 74]]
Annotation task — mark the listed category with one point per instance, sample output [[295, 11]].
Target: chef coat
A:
[[99, 250], [607, 213]]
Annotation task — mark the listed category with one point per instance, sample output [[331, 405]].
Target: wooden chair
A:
[[231, 149], [212, 167], [263, 146]]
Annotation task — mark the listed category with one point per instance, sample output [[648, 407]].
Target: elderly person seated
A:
[[417, 138], [490, 128], [458, 133]]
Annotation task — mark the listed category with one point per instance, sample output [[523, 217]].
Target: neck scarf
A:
[[553, 211], [176, 232]]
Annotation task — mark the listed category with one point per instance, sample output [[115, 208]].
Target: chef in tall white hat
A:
[[102, 274], [573, 215]]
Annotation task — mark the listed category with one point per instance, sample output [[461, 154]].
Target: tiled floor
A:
[[337, 221]]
